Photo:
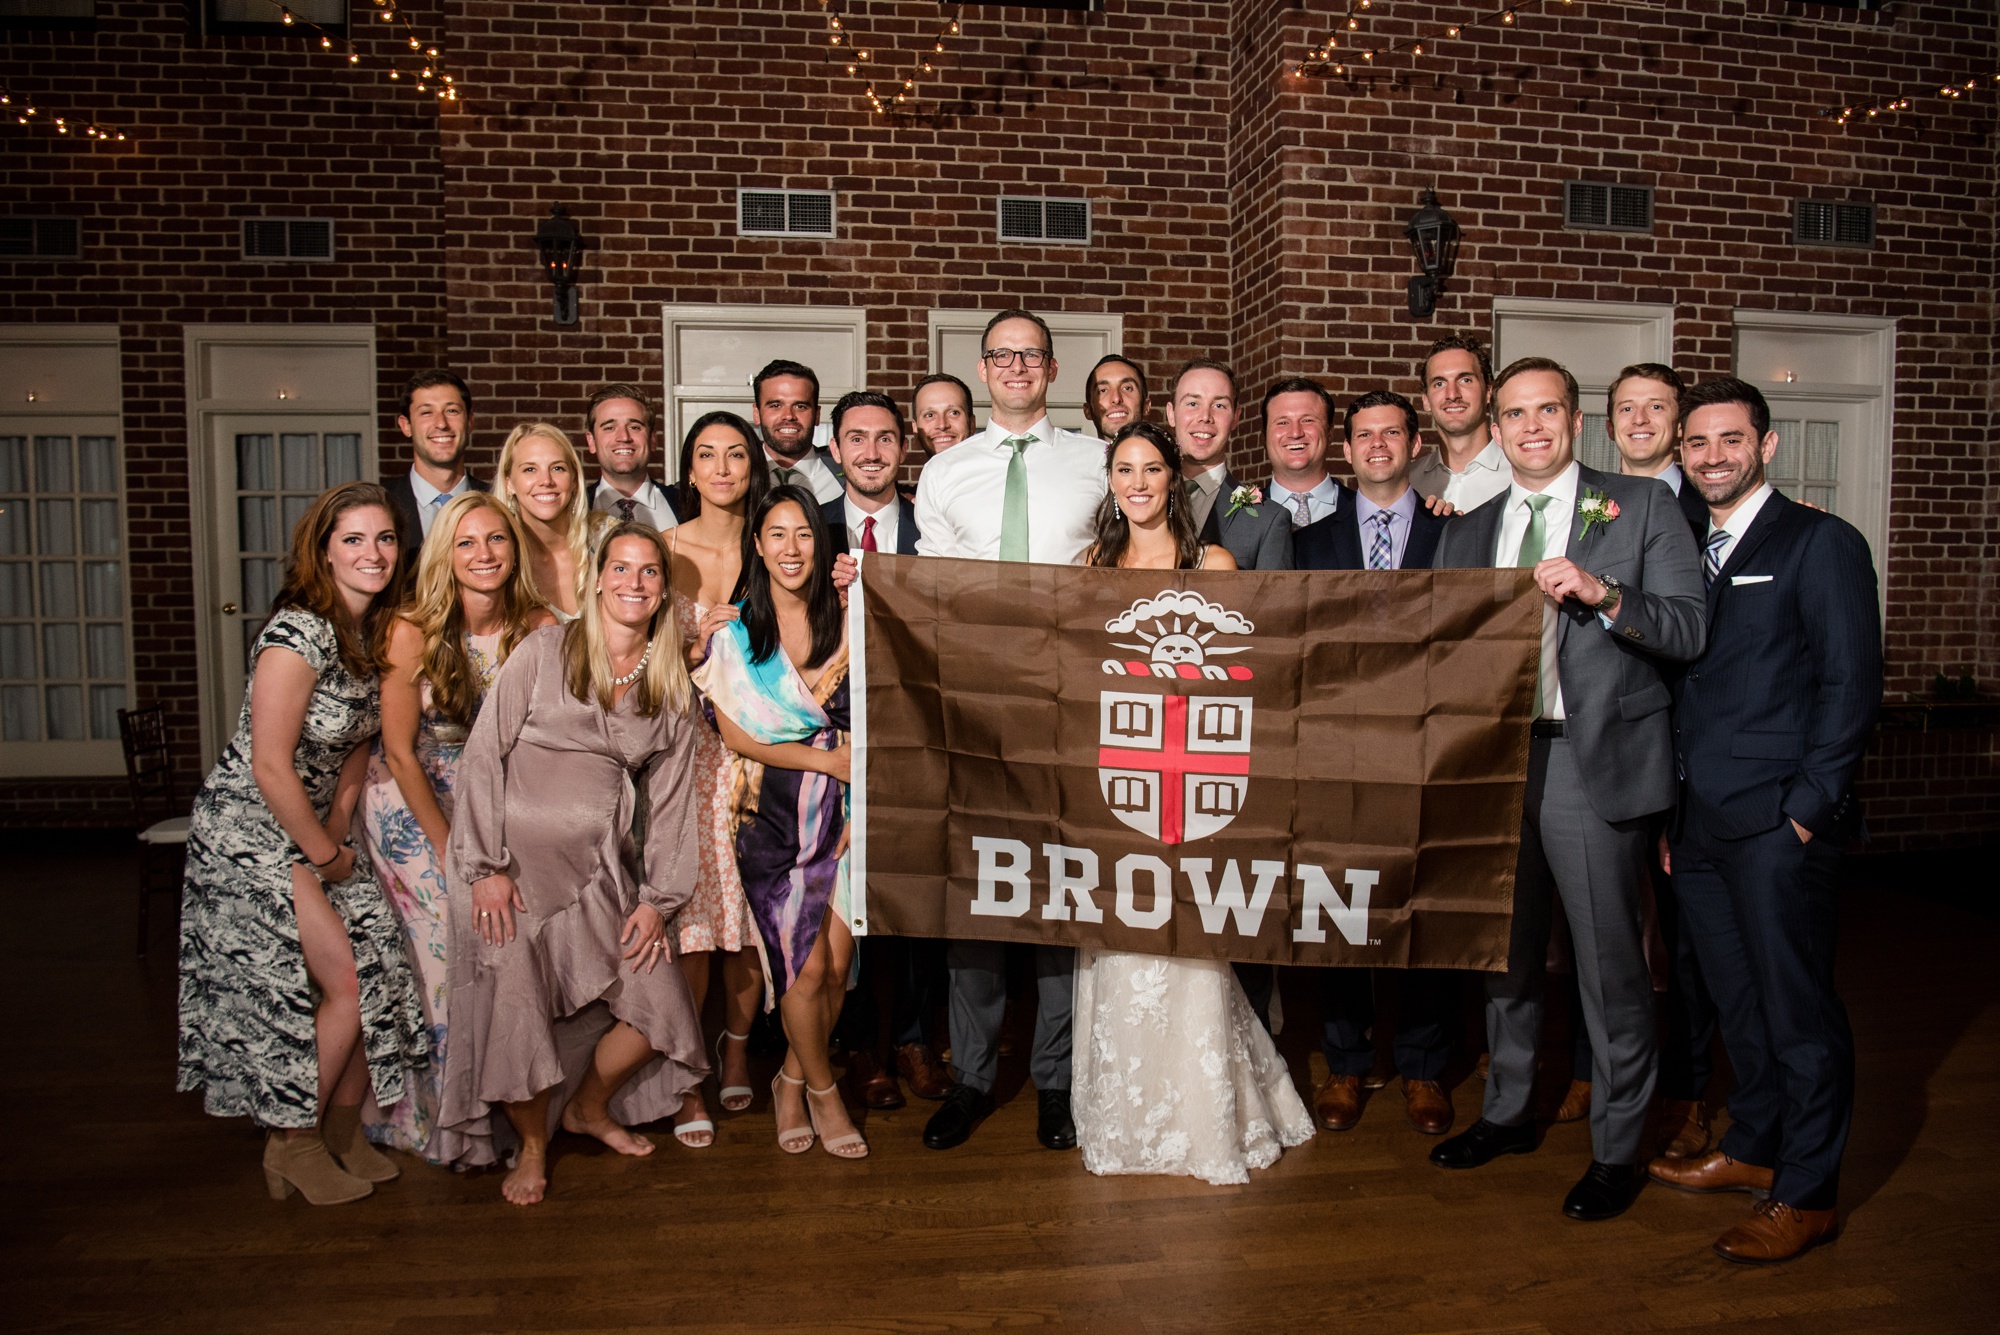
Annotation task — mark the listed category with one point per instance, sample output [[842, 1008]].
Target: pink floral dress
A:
[[718, 917]]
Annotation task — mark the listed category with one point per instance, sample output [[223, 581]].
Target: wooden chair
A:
[[157, 810]]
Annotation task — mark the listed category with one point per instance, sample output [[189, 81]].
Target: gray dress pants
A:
[[979, 1003], [1596, 869]]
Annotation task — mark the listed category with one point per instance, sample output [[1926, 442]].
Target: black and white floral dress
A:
[[246, 1037]]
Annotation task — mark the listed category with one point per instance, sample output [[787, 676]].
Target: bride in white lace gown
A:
[[1171, 1070]]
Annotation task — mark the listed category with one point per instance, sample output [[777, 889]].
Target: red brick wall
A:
[[1237, 211], [220, 129]]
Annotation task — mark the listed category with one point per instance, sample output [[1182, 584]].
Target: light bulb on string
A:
[[326, 44], [285, 17], [1507, 17], [1451, 32]]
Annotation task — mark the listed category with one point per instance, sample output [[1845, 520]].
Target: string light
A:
[[21, 108], [842, 36], [1951, 92], [428, 57], [1319, 60]]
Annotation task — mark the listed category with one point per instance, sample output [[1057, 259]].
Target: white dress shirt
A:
[[1739, 523], [649, 503], [1207, 488], [1486, 476], [1673, 477], [1556, 525], [1321, 501], [430, 501], [888, 524], [960, 492], [1402, 514], [815, 472]]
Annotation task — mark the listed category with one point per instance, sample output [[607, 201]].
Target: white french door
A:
[[264, 471]]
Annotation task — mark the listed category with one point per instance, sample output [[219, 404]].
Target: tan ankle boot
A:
[[342, 1129], [301, 1163]]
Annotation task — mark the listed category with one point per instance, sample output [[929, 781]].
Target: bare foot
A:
[[788, 1109], [606, 1130], [529, 1180], [837, 1133]]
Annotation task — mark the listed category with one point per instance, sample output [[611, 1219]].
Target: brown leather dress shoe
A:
[[870, 1084], [1776, 1232], [1710, 1172], [1338, 1103], [1684, 1128], [1576, 1102], [926, 1074], [1427, 1106]]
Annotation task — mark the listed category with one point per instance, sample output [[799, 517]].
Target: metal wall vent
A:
[[41, 238], [784, 213], [1600, 206], [287, 239], [1064, 222], [1821, 222]]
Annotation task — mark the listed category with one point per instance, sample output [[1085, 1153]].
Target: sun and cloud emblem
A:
[[1175, 766], [1176, 630]]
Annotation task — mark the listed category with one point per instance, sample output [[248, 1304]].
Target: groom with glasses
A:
[[1048, 483]]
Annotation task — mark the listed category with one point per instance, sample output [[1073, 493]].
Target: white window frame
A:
[[1652, 324], [1065, 406], [1874, 354], [752, 320], [70, 410], [275, 393]]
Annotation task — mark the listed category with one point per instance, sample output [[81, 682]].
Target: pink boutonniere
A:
[[1596, 509], [1244, 498]]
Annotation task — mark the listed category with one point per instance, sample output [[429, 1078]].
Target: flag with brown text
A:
[[1297, 767]]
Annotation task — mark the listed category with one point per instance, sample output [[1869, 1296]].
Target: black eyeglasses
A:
[[1006, 357]]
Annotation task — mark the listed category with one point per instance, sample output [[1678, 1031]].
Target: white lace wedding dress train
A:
[[1173, 1073]]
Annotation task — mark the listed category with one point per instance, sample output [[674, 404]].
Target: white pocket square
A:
[[1751, 579]]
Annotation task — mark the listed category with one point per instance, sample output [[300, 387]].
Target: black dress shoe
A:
[[1605, 1191], [1482, 1143], [1055, 1128], [962, 1109]]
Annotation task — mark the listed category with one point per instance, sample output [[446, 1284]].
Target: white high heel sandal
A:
[[734, 1098]]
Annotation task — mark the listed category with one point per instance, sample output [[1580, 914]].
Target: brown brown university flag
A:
[[1291, 766]]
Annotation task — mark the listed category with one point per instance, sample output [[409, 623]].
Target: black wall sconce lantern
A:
[[561, 246], [1433, 235]]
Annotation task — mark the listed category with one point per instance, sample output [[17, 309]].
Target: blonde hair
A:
[[438, 612], [586, 658], [576, 516]]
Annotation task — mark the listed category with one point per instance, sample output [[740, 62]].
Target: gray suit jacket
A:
[[1260, 541], [1614, 694]]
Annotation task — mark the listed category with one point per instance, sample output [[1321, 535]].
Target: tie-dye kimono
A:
[[789, 823]]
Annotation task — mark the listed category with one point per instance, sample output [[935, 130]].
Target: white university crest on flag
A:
[[1175, 767]]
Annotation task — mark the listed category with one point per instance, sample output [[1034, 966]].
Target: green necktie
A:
[[1014, 502], [787, 476], [1532, 544]]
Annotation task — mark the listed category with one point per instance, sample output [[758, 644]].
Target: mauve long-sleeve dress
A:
[[545, 793]]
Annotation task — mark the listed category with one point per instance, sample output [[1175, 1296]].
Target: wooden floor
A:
[[128, 1209]]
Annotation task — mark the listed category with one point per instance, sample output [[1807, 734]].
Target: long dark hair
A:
[[687, 501], [1114, 533], [753, 588], [309, 586]]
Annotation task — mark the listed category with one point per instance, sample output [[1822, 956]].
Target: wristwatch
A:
[[1613, 591]]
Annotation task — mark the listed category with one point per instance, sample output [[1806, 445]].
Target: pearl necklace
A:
[[639, 667]]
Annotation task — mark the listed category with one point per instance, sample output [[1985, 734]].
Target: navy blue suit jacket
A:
[[834, 512], [1334, 543], [1772, 719]]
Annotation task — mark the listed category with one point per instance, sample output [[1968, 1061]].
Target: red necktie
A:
[[868, 534]]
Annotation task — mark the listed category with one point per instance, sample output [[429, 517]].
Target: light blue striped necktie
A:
[[1711, 565]]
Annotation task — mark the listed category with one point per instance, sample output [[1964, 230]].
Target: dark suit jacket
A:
[[1259, 541], [1695, 508], [1334, 543], [1614, 696], [834, 512], [1772, 719], [409, 527]]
